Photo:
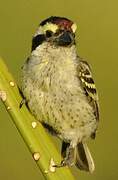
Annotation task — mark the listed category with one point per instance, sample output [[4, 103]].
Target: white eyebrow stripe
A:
[[51, 27], [47, 26], [74, 27]]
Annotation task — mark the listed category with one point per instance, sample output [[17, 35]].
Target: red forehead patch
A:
[[64, 23]]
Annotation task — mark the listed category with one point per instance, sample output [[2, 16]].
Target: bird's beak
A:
[[65, 39]]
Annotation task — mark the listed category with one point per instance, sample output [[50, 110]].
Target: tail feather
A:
[[84, 159], [79, 155]]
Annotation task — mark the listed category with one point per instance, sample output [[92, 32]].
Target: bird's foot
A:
[[69, 159]]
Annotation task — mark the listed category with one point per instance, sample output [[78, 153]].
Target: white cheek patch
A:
[[50, 27], [74, 27], [46, 27]]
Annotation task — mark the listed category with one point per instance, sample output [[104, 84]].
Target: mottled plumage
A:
[[60, 91]]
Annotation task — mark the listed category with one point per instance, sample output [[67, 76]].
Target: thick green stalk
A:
[[34, 135]]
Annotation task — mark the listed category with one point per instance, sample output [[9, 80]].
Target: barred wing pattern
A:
[[89, 87]]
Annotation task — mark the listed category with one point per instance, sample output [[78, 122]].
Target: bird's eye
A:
[[49, 33]]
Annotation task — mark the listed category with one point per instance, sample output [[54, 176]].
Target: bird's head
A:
[[58, 31]]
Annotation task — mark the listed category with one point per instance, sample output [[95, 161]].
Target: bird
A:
[[58, 88]]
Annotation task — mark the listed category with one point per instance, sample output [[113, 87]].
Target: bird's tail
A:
[[84, 159]]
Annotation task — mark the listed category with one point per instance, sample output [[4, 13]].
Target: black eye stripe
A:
[[37, 40]]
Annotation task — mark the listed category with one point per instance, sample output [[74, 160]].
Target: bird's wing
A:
[[88, 85]]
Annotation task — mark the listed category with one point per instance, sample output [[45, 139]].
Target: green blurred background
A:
[[98, 42]]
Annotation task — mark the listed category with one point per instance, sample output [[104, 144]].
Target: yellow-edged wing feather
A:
[[89, 87]]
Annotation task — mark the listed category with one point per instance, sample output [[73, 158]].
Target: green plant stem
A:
[[36, 138]]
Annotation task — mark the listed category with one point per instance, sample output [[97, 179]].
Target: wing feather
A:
[[89, 87]]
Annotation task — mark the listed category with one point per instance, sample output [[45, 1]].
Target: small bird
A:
[[59, 90]]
